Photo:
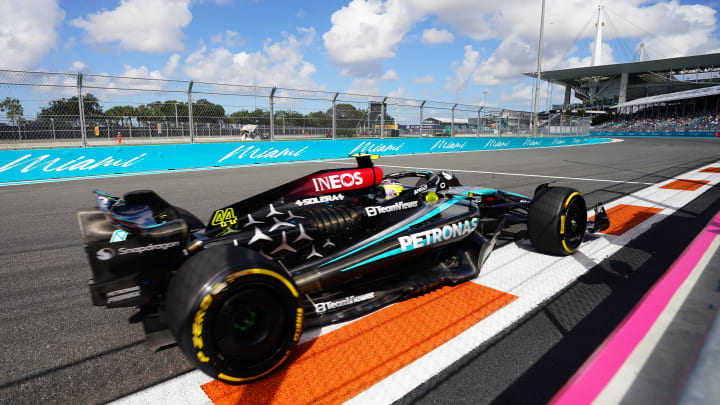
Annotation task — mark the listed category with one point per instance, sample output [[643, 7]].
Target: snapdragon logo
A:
[[105, 254], [147, 248], [437, 235], [398, 206]]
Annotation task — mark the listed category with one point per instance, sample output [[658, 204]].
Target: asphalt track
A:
[[57, 348]]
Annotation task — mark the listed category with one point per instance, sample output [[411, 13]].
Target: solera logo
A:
[[337, 181]]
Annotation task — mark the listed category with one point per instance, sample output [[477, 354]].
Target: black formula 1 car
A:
[[236, 293]]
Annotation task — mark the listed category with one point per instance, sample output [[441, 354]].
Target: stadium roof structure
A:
[[608, 85], [679, 66], [680, 95]]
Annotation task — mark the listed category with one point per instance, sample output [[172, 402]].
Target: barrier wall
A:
[[688, 134], [38, 164]]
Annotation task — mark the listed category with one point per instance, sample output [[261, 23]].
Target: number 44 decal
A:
[[224, 217]]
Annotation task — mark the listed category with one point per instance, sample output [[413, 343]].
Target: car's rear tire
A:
[[557, 220], [235, 314]]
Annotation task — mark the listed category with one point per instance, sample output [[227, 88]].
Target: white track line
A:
[[507, 174]]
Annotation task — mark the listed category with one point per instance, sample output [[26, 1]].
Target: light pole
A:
[[539, 68]]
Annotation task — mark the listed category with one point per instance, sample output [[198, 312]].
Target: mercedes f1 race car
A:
[[236, 293]]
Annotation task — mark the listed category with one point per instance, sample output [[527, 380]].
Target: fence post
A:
[[422, 105], [452, 122], [333, 115], [478, 122], [272, 113], [367, 130], [190, 114], [382, 119], [52, 120], [82, 111]]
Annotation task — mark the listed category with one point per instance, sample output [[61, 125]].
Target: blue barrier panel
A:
[[37, 164], [687, 134]]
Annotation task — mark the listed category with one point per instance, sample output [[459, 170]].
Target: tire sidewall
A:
[[547, 219], [193, 327]]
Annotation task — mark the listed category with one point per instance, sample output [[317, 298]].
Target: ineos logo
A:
[[105, 254], [337, 181]]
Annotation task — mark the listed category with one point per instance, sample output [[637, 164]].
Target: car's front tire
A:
[[557, 220]]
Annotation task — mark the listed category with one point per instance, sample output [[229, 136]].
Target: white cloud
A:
[[141, 72], [69, 43], [428, 79], [521, 94], [229, 39], [464, 69], [79, 66], [367, 85], [400, 92], [171, 65], [28, 30], [365, 33], [140, 25], [279, 64], [436, 36], [389, 75]]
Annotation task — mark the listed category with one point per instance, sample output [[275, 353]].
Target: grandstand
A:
[[675, 94]]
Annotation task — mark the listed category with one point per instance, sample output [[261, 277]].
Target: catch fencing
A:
[[40, 109]]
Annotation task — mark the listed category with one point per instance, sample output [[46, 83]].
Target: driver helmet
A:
[[392, 188]]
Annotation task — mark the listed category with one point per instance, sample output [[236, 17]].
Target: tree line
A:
[[67, 111]]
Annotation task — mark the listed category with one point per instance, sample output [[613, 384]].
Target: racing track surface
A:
[[58, 348]]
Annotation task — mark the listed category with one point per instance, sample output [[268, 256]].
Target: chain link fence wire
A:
[[41, 109]]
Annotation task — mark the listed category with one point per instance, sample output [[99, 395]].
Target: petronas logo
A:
[[224, 218]]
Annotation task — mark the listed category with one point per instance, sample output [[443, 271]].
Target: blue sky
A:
[[450, 50]]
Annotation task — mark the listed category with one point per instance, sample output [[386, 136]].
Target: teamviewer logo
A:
[[105, 254]]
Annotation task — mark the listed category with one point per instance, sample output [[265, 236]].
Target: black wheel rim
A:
[[250, 325], [575, 223]]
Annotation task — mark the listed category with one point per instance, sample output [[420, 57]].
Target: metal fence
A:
[[39, 109]]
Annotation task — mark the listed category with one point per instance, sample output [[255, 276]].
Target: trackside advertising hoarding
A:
[[39, 164]]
